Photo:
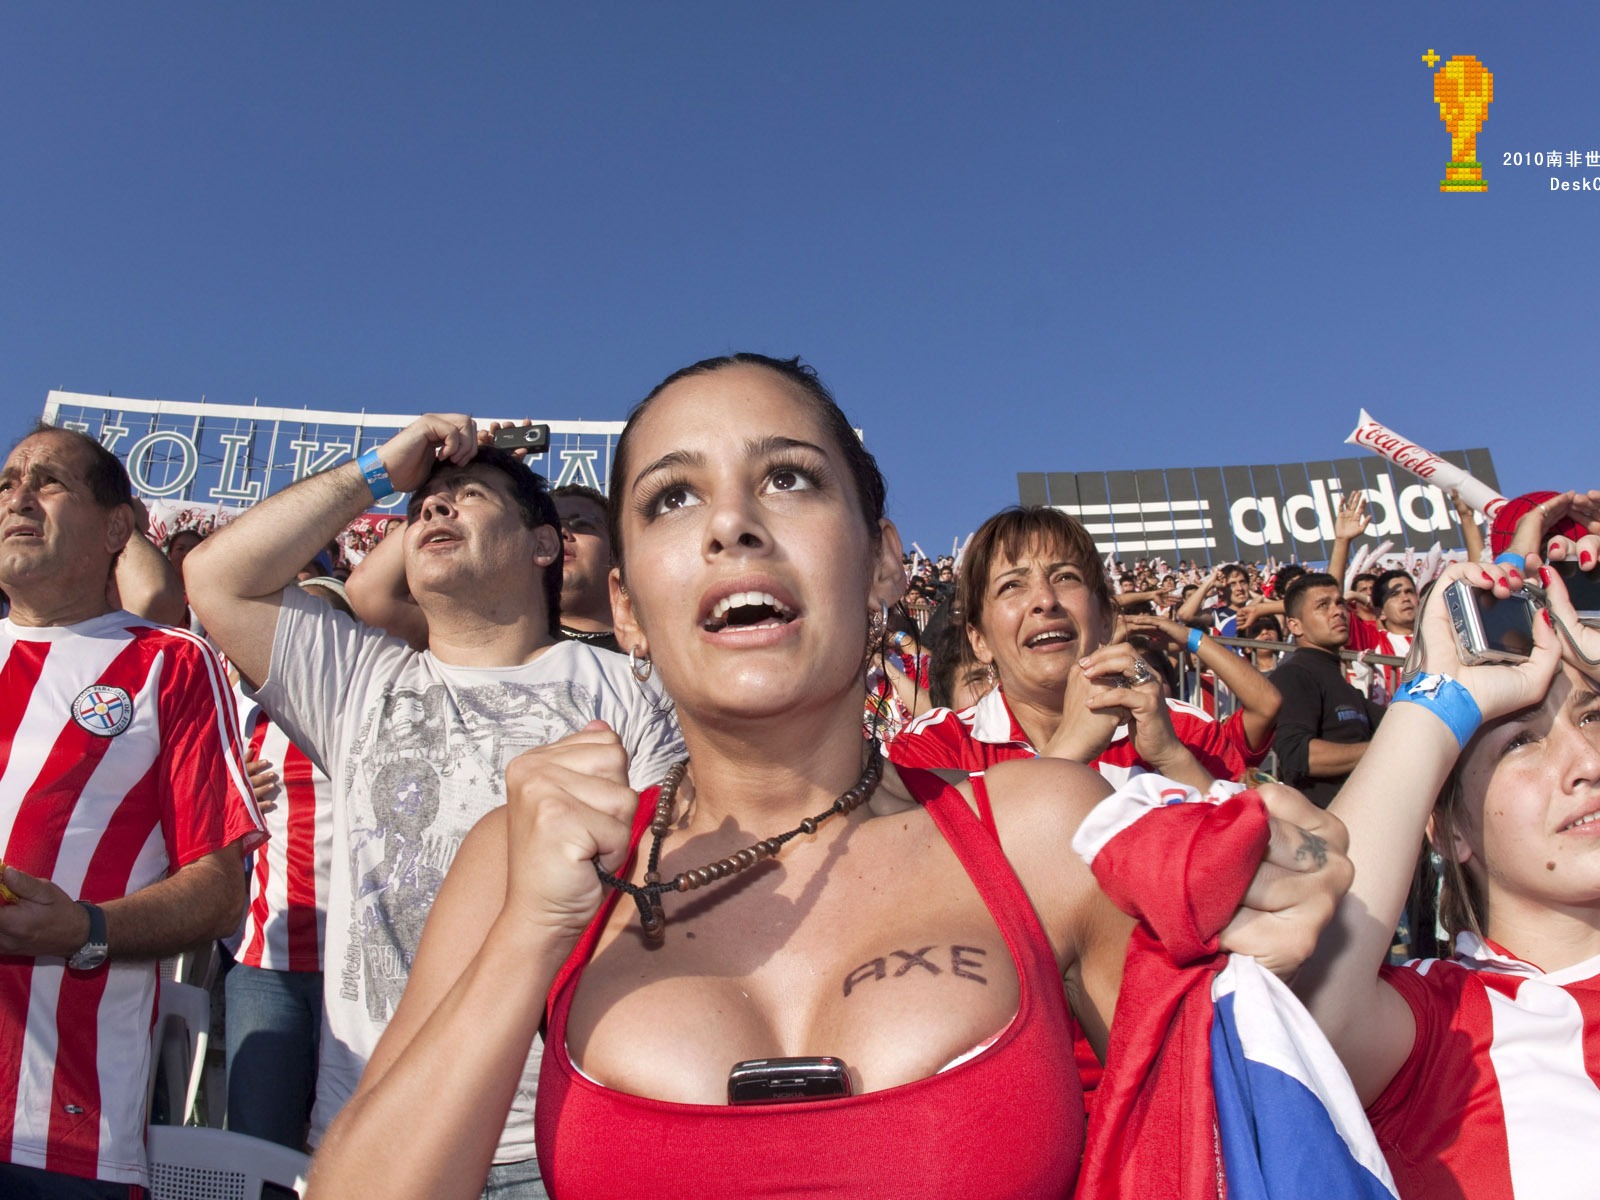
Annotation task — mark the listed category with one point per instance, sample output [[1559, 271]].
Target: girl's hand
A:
[[1580, 648], [1533, 533], [1498, 688], [567, 803]]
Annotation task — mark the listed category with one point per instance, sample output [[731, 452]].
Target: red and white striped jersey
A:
[[120, 763], [288, 909], [977, 738], [1377, 683], [1500, 1097]]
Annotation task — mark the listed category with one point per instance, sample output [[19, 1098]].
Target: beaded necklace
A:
[[648, 896]]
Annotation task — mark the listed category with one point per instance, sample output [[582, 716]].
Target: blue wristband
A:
[[377, 477], [1196, 636], [1445, 699], [1508, 558]]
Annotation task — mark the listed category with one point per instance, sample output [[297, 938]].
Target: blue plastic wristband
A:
[[1445, 699], [372, 470], [1196, 636], [1508, 558]]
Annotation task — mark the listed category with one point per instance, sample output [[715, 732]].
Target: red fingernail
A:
[[1544, 576], [1545, 613], [1585, 559], [1487, 578]]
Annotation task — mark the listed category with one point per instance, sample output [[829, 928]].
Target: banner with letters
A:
[[201, 454], [1251, 513]]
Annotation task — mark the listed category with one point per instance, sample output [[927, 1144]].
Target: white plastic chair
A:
[[197, 966], [180, 1054], [216, 1164]]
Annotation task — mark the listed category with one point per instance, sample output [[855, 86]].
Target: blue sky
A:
[[1012, 237]]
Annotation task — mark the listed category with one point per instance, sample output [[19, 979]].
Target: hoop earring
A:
[[877, 627], [641, 666]]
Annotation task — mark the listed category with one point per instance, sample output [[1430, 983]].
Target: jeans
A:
[[515, 1181], [274, 1023], [30, 1183]]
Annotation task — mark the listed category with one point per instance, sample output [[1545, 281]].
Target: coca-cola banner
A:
[[1283, 511]]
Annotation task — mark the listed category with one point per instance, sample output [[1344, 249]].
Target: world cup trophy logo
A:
[[1463, 89]]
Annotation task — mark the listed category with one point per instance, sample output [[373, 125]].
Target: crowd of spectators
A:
[[379, 688]]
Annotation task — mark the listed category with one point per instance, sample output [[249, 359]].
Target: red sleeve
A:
[[1209, 743], [1433, 998], [1427, 1114], [1364, 635], [206, 800], [1233, 730], [940, 741]]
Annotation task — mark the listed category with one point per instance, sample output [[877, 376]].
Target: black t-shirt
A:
[[1318, 702]]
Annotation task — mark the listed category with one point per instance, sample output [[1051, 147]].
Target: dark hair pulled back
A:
[[871, 492]]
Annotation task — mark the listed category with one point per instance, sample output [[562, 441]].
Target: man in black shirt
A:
[[1324, 724]]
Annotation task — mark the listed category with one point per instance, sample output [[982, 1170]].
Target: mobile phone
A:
[[786, 1080], [1583, 589], [1489, 630], [535, 439]]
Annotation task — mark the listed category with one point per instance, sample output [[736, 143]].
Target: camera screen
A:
[[1507, 624], [1583, 589]]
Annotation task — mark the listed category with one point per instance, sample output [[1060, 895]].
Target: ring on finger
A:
[[1141, 673]]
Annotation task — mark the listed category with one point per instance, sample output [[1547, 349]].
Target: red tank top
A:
[[1006, 1123]]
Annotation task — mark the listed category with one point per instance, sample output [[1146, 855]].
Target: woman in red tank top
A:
[[782, 901]]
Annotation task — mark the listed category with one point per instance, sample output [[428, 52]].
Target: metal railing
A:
[[1190, 670]]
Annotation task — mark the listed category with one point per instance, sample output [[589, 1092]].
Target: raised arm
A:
[[1385, 806], [430, 1106], [144, 581], [1471, 531], [913, 697], [238, 574], [1189, 611], [1350, 524], [1257, 696], [379, 596], [1133, 599]]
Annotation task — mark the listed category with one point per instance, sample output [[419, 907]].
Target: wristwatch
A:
[[93, 952]]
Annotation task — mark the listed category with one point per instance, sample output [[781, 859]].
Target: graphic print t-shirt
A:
[[417, 751]]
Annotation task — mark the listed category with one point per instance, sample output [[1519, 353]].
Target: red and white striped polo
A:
[[120, 762], [977, 738], [283, 925], [1500, 1097]]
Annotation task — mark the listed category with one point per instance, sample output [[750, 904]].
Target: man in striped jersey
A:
[[124, 815], [274, 989]]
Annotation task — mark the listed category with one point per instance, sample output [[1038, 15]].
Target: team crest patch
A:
[[103, 711]]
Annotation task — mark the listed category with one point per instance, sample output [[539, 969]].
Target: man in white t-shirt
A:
[[416, 742], [124, 817]]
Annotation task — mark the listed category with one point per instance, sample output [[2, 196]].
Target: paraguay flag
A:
[[1289, 1118], [1217, 1082]]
